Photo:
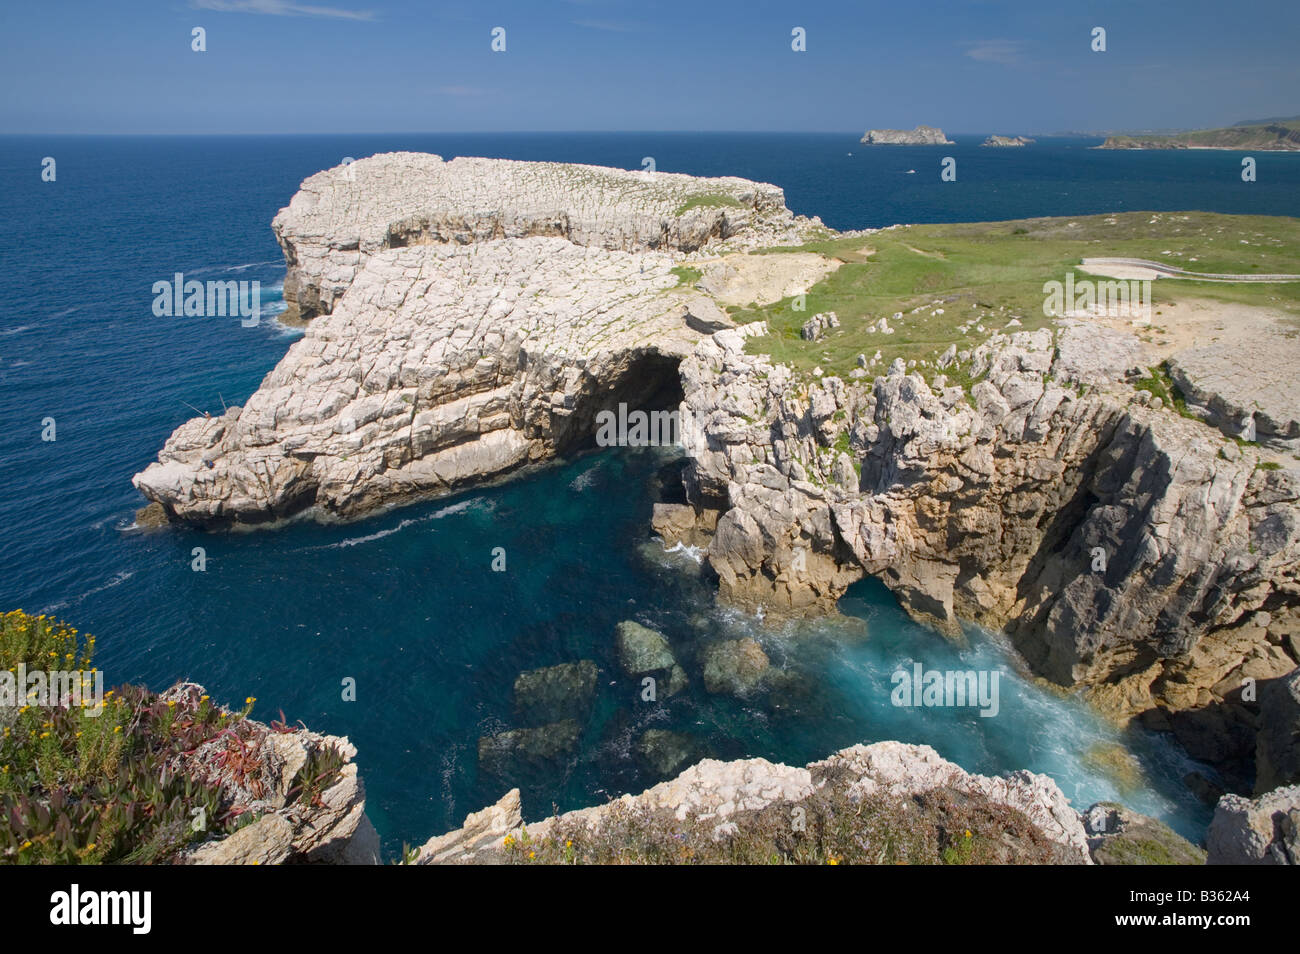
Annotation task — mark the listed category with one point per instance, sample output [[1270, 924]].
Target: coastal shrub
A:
[[1158, 383], [686, 275], [834, 827], [135, 781], [709, 200]]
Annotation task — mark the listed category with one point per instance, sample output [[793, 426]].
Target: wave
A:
[[120, 578], [458, 507], [5, 333], [221, 269]]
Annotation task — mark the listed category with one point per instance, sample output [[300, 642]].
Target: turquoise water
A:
[[406, 602]]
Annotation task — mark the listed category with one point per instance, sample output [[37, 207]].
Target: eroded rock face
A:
[[332, 829], [719, 792], [1277, 757], [1113, 540], [477, 315], [442, 366], [474, 316]]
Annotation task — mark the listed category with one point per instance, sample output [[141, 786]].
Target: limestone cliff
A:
[[476, 315], [1122, 546]]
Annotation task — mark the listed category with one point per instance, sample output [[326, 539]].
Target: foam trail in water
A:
[[447, 511]]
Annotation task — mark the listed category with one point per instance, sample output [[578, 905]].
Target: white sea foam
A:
[[458, 507], [118, 579], [695, 553]]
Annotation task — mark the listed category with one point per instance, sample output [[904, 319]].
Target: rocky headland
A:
[[920, 136], [1283, 136], [471, 317]]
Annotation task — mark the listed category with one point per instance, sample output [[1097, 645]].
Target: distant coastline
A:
[[1264, 137]]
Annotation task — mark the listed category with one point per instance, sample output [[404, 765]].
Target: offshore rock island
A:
[[1078, 482], [920, 136]]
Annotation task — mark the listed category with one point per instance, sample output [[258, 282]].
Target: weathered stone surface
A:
[[1246, 379], [341, 216], [477, 314], [1117, 544], [482, 829], [817, 326], [1259, 831]]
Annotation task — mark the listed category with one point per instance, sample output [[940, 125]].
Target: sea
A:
[[405, 605]]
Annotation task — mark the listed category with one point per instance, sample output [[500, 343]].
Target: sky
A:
[[352, 66]]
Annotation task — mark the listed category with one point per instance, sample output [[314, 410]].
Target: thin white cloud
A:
[[282, 8], [995, 51]]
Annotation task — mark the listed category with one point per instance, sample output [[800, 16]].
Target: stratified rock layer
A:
[[341, 216]]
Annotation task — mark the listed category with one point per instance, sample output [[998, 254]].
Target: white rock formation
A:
[[341, 216], [531, 296], [715, 791]]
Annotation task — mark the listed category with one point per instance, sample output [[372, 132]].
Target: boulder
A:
[[1256, 831]]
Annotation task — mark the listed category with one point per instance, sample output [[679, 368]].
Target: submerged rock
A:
[[643, 651], [665, 753], [507, 753], [556, 693], [735, 666], [1116, 763]]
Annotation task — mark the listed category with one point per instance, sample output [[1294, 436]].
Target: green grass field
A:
[[993, 271]]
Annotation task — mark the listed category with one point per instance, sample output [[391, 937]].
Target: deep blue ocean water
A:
[[405, 602]]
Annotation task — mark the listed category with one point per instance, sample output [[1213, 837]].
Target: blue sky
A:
[[969, 66]]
